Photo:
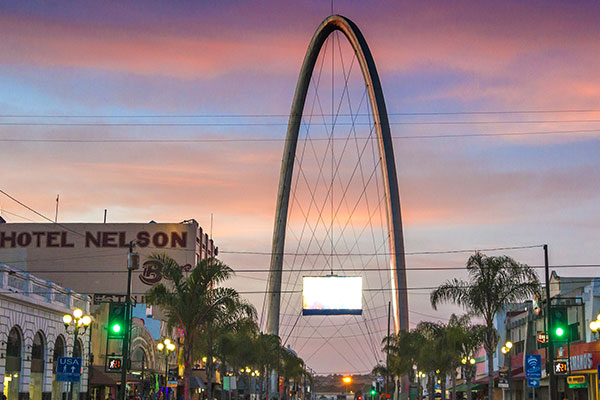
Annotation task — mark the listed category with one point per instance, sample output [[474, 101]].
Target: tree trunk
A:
[[469, 376], [186, 370], [443, 386], [431, 387], [187, 366], [453, 384], [208, 369], [490, 359]]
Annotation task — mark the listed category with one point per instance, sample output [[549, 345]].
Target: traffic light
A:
[[559, 324], [117, 323]]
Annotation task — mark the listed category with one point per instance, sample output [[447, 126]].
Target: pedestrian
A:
[[3, 396]]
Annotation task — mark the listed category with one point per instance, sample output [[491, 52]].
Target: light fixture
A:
[[160, 346], [77, 313]]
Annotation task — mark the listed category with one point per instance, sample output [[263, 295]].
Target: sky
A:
[[227, 71]]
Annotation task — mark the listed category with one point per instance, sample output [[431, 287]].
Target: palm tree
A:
[[434, 354], [404, 349], [493, 283], [240, 324], [464, 339], [194, 302]]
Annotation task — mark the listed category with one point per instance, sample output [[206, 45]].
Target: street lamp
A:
[[347, 380], [506, 351], [167, 347], [76, 321], [595, 325]]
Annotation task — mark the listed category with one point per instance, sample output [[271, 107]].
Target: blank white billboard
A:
[[332, 295]]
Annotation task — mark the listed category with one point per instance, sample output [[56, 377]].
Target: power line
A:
[[424, 269], [274, 140], [230, 124], [574, 280], [410, 113], [414, 253]]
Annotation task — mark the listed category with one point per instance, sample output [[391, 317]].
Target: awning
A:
[[101, 378], [463, 387], [196, 383]]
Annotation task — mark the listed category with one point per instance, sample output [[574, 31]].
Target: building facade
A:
[[33, 336]]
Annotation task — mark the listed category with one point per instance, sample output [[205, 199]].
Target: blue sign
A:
[[68, 369], [533, 366], [598, 376], [533, 383]]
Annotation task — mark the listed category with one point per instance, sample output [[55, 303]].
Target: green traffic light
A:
[[116, 328], [373, 392], [559, 331]]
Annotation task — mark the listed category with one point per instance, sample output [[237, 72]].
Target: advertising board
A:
[[332, 295]]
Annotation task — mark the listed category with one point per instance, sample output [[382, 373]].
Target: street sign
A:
[[68, 369], [541, 337], [531, 382], [533, 366], [503, 384], [598, 376], [561, 366]]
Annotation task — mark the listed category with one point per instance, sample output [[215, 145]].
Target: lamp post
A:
[[468, 365], [76, 321], [167, 347], [506, 351]]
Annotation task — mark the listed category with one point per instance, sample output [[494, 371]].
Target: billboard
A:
[[332, 295]]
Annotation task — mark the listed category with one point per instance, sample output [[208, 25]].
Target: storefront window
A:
[[59, 351], [12, 375], [37, 367]]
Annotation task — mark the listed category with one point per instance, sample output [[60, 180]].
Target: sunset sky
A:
[[447, 69]]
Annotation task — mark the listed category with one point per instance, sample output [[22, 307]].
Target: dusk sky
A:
[[462, 69]]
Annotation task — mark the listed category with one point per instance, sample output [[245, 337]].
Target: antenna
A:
[[211, 225], [56, 214]]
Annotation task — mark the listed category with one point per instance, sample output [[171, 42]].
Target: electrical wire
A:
[[249, 139]]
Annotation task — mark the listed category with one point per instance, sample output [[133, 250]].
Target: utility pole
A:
[[133, 262], [387, 351], [552, 392]]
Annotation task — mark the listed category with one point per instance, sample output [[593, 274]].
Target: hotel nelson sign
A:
[[97, 239], [52, 251]]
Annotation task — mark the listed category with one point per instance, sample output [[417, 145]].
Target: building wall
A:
[[92, 257], [33, 305]]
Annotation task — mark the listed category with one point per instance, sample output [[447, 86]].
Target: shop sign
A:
[[573, 379], [542, 337], [581, 361]]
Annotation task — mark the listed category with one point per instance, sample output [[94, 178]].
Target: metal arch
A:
[[388, 166]]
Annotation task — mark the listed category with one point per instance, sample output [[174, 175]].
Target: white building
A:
[[33, 336]]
